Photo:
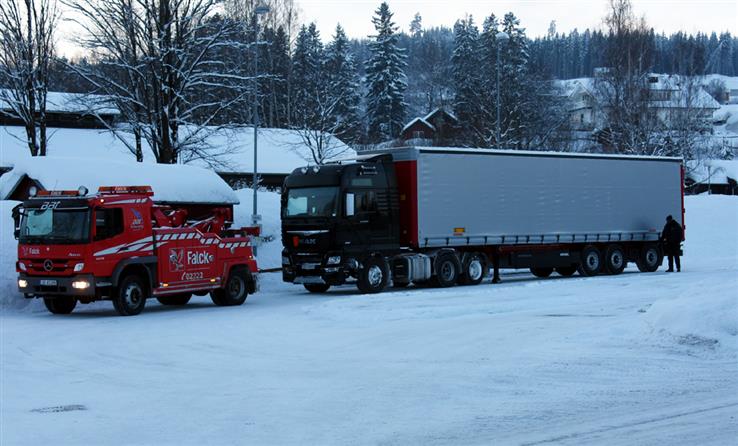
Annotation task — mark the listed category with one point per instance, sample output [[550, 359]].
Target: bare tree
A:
[[318, 130], [27, 28], [155, 58]]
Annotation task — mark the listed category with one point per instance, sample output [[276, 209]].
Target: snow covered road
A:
[[630, 359]]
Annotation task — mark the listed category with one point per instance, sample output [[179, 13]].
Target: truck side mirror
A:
[[350, 203], [16, 221]]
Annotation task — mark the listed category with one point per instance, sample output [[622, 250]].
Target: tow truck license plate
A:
[[47, 282]]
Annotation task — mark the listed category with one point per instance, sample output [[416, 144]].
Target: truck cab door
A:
[[367, 225]]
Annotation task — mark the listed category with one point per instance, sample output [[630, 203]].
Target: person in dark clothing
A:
[[672, 236]]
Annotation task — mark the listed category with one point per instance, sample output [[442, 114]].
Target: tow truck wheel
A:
[[177, 299], [473, 270], [60, 305], [130, 298], [373, 276], [234, 292], [317, 287]]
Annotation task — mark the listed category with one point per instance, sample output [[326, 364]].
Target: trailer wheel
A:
[[447, 268], [591, 261], [650, 258], [130, 297], [317, 287], [473, 270], [177, 299], [542, 272], [615, 261], [235, 291], [566, 271], [373, 276], [60, 305]]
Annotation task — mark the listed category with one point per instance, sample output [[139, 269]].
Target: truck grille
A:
[[57, 266]]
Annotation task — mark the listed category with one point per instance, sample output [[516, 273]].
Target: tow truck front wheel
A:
[[235, 291], [130, 298], [60, 305]]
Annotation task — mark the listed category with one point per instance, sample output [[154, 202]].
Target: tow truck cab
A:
[[336, 216]]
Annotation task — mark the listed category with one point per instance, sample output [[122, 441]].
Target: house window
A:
[[581, 118]]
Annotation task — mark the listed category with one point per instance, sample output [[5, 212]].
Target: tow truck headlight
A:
[[21, 266], [22, 283], [79, 267], [333, 260], [80, 284]]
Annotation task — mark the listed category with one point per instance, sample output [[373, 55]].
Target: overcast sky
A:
[[535, 15]]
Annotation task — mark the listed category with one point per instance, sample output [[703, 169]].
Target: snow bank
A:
[[171, 183], [269, 254]]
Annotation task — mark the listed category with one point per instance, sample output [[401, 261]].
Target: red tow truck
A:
[[119, 245]]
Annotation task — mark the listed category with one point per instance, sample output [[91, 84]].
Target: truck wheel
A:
[[60, 305], [542, 272], [591, 261], [650, 258], [130, 297], [235, 292], [615, 261], [177, 299], [566, 271], [447, 269], [373, 276], [317, 287], [473, 271]]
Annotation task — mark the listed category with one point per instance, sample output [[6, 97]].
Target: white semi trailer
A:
[[442, 216]]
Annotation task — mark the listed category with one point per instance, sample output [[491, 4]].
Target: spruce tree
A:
[[306, 82], [386, 80], [467, 82], [343, 88]]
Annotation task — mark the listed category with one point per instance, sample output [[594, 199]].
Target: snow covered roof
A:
[[437, 110], [171, 183], [416, 120], [58, 102], [280, 151], [713, 171]]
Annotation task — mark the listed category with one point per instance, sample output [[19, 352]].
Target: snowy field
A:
[[631, 359]]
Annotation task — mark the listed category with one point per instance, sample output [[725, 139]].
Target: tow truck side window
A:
[[108, 223]]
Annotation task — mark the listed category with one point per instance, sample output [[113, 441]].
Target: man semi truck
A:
[[443, 216], [119, 245]]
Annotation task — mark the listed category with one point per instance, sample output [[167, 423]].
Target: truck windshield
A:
[[311, 202], [63, 226]]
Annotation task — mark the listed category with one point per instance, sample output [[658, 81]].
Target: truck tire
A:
[[542, 272], [566, 271], [447, 269], [591, 261], [615, 260], [176, 299], [235, 291], [130, 296], [650, 258], [373, 276], [472, 272], [317, 287], [60, 305]]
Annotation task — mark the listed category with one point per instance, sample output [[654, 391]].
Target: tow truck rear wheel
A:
[[317, 287], [235, 291], [60, 305], [177, 299], [130, 297], [373, 275]]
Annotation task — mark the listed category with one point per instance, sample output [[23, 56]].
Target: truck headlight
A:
[[333, 260], [79, 267], [22, 283], [285, 260], [21, 266], [80, 284]]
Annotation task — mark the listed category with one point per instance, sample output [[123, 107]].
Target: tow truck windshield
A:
[[55, 226], [311, 202]]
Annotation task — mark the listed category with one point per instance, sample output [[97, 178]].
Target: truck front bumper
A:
[[334, 275], [82, 285]]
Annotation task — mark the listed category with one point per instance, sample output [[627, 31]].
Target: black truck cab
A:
[[336, 219]]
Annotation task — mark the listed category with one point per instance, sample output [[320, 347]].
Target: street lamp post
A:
[[500, 38], [259, 10]]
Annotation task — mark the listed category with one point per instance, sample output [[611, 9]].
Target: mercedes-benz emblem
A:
[[48, 265]]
